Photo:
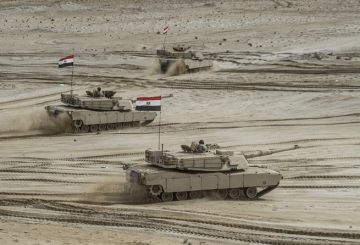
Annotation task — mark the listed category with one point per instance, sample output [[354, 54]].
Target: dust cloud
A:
[[176, 68], [33, 119], [115, 190], [154, 68]]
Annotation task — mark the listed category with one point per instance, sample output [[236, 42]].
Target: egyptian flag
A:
[[66, 61], [165, 30], [148, 103]]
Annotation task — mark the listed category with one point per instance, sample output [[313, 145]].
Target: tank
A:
[[181, 60], [99, 111], [187, 174]]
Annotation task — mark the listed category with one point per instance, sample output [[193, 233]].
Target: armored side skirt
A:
[[215, 181], [84, 120]]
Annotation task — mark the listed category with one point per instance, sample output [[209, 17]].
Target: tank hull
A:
[[83, 120], [183, 65], [161, 182]]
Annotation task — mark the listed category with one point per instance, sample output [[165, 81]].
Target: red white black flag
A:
[[165, 30], [148, 103], [66, 61]]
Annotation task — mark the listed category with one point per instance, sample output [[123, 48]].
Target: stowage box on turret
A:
[[183, 175], [98, 111]]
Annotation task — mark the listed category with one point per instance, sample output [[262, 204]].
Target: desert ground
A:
[[284, 73]]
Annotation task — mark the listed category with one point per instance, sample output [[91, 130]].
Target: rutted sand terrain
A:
[[285, 73]]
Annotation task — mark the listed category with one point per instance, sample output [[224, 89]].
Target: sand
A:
[[285, 73]]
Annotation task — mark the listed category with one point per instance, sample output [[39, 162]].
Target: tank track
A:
[[105, 127], [198, 69], [249, 193]]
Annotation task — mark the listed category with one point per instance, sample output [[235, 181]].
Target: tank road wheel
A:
[[76, 126], [195, 194], [155, 190], [94, 128], [76, 130], [102, 127], [136, 124], [167, 196], [223, 193], [181, 196], [111, 126], [234, 193], [84, 128], [251, 192], [78, 123]]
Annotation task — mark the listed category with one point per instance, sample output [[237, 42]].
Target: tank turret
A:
[[102, 103], [218, 160], [181, 48], [204, 162]]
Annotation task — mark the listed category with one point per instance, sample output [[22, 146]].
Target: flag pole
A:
[[72, 74], [165, 31], [71, 84], [159, 130], [164, 41]]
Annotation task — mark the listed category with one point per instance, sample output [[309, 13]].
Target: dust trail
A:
[[155, 68], [115, 190], [176, 68], [23, 120], [173, 69]]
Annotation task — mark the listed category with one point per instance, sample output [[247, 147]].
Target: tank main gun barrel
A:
[[269, 152]]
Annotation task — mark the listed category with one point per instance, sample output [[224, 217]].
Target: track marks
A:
[[181, 223]]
